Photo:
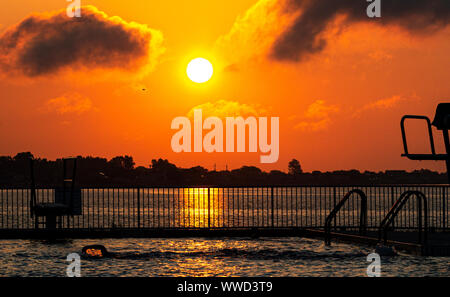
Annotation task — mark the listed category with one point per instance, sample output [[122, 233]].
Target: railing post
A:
[[272, 206], [425, 209], [139, 206], [334, 202], [444, 213], [392, 203], [209, 208], [419, 206]]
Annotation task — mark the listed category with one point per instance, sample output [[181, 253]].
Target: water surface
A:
[[245, 257]]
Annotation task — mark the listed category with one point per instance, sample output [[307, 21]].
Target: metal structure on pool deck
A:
[[441, 122], [67, 200]]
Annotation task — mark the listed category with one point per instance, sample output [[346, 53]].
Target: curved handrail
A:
[[391, 213], [430, 132], [337, 208], [398, 205]]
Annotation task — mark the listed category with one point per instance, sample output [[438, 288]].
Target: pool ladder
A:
[[337, 208], [387, 222], [422, 208]]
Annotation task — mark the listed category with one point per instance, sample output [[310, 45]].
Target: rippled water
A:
[[209, 257]]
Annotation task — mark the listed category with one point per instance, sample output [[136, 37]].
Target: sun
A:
[[199, 70]]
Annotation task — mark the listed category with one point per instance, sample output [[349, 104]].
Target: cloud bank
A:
[[292, 30], [304, 36], [253, 32], [45, 44]]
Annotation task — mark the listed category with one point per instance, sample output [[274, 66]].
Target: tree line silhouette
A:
[[121, 171]]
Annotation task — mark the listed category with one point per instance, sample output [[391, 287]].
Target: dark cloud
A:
[[44, 44], [304, 36]]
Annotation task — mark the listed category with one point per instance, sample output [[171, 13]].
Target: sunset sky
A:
[[111, 82]]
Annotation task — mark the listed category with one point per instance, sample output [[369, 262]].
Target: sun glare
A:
[[199, 70]]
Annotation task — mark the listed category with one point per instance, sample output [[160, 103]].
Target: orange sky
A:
[[339, 108]]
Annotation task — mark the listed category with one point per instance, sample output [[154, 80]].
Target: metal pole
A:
[[419, 206], [209, 209], [443, 206], [334, 202], [447, 149], [272, 206], [139, 206], [392, 203], [425, 210]]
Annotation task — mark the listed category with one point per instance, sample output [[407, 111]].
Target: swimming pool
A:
[[267, 257]]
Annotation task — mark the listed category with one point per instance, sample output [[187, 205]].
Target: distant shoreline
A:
[[122, 172]]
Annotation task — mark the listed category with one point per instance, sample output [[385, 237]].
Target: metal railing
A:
[[229, 207], [430, 132], [337, 208], [422, 222]]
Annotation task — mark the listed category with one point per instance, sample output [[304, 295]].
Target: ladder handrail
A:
[[337, 208], [397, 207], [430, 132]]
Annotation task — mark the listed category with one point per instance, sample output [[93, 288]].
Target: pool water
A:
[[245, 257]]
